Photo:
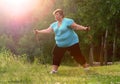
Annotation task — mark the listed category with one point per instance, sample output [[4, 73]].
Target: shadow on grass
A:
[[16, 81], [3, 70]]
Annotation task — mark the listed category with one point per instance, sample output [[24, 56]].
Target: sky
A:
[[23, 11]]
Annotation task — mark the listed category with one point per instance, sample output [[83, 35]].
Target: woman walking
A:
[[66, 39]]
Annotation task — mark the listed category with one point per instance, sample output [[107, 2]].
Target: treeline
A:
[[101, 43]]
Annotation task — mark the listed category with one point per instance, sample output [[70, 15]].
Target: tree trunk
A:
[[114, 46], [91, 58], [101, 51], [105, 47]]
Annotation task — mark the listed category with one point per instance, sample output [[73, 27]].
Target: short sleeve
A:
[[70, 22], [52, 25]]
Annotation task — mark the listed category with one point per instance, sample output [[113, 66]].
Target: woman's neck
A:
[[60, 20]]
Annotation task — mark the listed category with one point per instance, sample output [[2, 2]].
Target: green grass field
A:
[[15, 71]]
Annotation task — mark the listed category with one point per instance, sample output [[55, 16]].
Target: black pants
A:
[[58, 53]]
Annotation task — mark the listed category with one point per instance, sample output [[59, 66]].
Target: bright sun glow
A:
[[17, 8], [24, 11]]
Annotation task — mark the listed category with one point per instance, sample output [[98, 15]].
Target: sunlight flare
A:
[[24, 12], [18, 8]]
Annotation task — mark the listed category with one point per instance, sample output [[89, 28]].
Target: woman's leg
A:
[[58, 54], [78, 56]]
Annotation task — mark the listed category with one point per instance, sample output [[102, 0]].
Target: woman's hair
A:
[[60, 11]]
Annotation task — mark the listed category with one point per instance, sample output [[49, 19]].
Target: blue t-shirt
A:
[[64, 35]]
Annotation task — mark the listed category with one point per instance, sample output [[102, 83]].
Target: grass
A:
[[16, 71]]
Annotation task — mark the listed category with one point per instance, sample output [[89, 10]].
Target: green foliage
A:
[[98, 14], [6, 41]]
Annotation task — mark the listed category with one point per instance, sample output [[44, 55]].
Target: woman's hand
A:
[[36, 31], [87, 28]]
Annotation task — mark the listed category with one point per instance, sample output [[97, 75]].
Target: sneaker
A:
[[87, 69], [53, 72]]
